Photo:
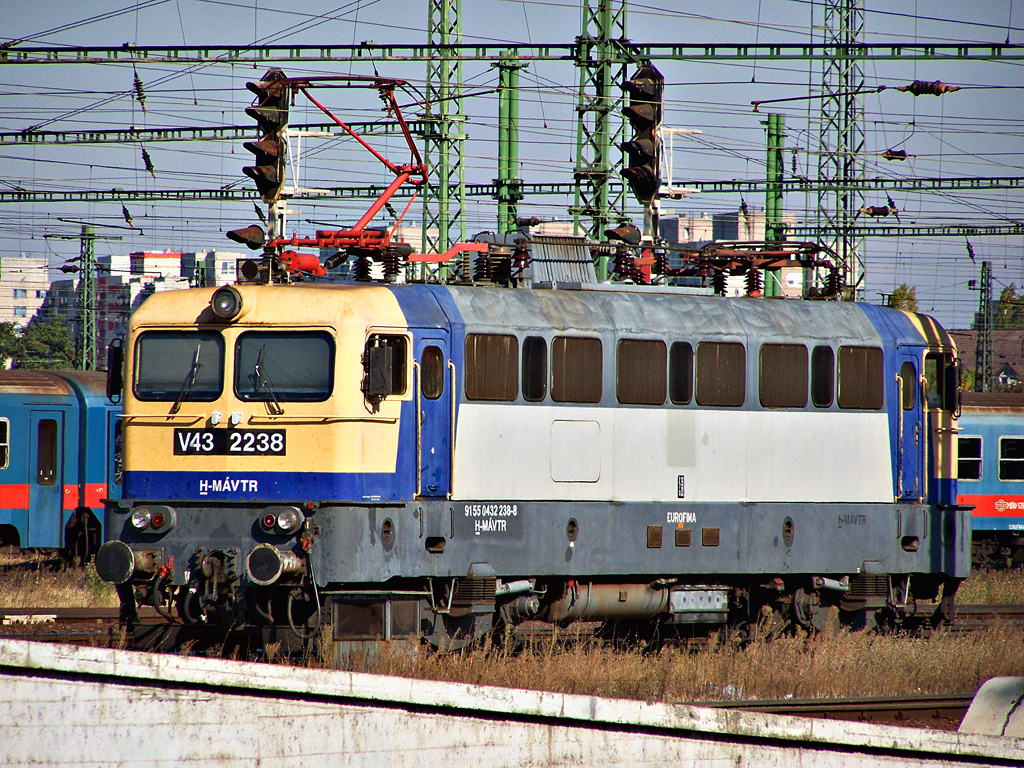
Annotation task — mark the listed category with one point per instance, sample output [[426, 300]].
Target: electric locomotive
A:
[[991, 475], [438, 460]]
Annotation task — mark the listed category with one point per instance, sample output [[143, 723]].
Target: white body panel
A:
[[638, 454]]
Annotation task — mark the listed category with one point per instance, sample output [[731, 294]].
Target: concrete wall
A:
[[65, 705]]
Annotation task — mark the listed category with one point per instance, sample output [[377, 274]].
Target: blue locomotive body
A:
[[57, 459], [435, 459]]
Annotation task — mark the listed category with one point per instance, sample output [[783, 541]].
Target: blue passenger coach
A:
[[440, 460], [57, 460], [991, 475]]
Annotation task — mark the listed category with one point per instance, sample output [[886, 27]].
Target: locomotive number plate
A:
[[229, 442]]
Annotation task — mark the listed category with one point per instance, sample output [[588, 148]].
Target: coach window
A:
[[823, 376], [968, 465], [492, 367], [908, 379], [680, 372], [5, 443], [179, 364], [287, 366], [1011, 458], [46, 452], [782, 375], [721, 374], [385, 366], [860, 378], [432, 373], [535, 368], [576, 374], [640, 372]]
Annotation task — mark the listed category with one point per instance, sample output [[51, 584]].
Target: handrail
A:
[[899, 436], [419, 429], [451, 441]]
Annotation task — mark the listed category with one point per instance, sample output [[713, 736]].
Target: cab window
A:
[[286, 366], [172, 364]]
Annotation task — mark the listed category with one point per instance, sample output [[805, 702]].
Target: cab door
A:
[[910, 427], [434, 373], [46, 479]]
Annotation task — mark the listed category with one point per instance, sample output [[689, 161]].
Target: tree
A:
[[46, 344], [904, 297], [8, 342], [1010, 309]]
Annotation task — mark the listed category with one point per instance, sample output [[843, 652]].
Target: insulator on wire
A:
[[879, 210], [926, 88], [140, 94], [896, 154], [148, 162]]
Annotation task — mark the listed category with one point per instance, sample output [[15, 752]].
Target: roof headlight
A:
[[226, 302]]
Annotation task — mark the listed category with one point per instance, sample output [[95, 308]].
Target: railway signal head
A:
[[646, 89], [270, 111]]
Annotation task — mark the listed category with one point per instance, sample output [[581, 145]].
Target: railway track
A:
[[65, 623], [939, 711]]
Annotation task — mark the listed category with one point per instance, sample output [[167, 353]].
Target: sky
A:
[[974, 132]]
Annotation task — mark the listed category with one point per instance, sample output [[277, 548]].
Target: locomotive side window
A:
[[721, 374], [5, 443], [823, 376], [968, 458], [640, 372], [535, 368], [576, 370], [860, 378], [942, 381], [680, 372], [432, 373], [1011, 458], [179, 364], [492, 367], [908, 377], [782, 379], [46, 452], [284, 366], [384, 366]]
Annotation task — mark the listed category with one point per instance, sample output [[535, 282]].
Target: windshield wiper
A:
[[190, 380], [263, 381]]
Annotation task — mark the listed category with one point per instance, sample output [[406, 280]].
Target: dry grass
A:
[[844, 664], [40, 582], [988, 587]]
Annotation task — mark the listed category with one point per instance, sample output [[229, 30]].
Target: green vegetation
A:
[[39, 345], [904, 297]]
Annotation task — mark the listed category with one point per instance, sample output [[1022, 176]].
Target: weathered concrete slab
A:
[[65, 705], [997, 709]]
